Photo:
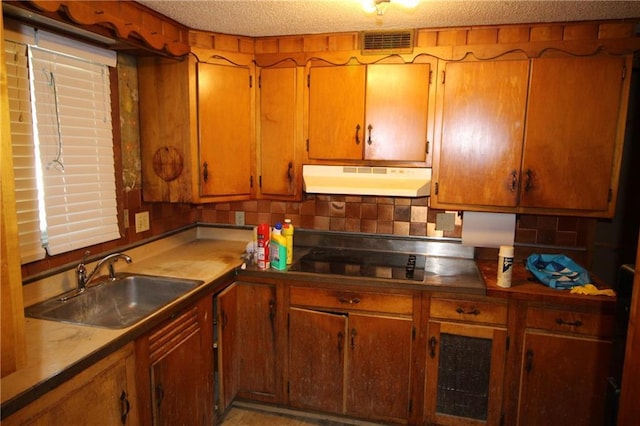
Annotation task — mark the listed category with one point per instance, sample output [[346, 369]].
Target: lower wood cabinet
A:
[[350, 352], [175, 369], [247, 343], [565, 364], [411, 357], [104, 393], [466, 347]]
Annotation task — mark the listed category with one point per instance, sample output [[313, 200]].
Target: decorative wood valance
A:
[[128, 22]]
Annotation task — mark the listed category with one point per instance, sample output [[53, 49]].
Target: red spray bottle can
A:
[[264, 235]]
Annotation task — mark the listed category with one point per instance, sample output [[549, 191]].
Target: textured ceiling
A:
[[281, 17]]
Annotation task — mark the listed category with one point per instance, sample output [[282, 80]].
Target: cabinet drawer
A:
[[468, 310], [352, 300], [570, 321]]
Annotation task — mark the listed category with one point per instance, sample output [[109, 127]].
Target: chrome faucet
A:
[[81, 270]]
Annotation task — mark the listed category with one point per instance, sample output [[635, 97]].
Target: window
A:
[[62, 142]]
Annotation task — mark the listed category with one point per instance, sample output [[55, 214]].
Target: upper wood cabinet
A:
[[225, 125], [278, 132], [543, 135], [196, 128], [574, 133], [478, 154], [369, 112]]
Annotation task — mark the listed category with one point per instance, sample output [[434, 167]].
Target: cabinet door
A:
[[316, 360], [224, 123], [103, 393], [564, 380], [336, 112], [277, 131], [397, 108], [379, 366], [180, 374], [227, 321], [256, 334], [480, 146], [572, 124], [167, 129], [465, 370], [247, 342]]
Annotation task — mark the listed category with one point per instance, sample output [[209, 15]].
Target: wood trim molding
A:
[[128, 22]]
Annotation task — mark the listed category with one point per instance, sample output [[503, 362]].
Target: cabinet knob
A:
[[357, 134], [370, 128]]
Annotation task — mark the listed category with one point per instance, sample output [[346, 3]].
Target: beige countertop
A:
[[53, 347]]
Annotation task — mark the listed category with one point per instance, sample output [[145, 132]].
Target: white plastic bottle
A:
[[505, 266]]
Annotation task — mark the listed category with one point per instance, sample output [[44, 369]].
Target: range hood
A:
[[364, 180]]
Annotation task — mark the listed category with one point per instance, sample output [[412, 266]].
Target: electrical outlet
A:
[[239, 218], [142, 222], [445, 222]]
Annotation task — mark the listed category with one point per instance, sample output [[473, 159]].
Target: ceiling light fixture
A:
[[380, 6]]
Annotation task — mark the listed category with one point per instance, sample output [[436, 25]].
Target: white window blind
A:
[[72, 111], [29, 234]]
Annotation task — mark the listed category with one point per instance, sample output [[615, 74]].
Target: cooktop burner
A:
[[362, 264]]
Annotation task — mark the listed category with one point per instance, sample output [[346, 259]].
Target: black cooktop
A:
[[362, 263]]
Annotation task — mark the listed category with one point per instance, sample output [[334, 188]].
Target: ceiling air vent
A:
[[387, 42]]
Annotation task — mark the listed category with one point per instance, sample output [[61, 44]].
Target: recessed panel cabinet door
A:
[[224, 122], [397, 106], [336, 112], [483, 121], [572, 120]]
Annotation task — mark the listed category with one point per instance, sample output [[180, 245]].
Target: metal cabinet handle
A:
[[528, 184], [432, 346], [352, 301], [225, 320], [159, 395], [125, 407], [205, 171], [290, 172], [576, 323], [474, 311], [353, 338], [370, 128], [514, 181], [357, 134], [528, 366]]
